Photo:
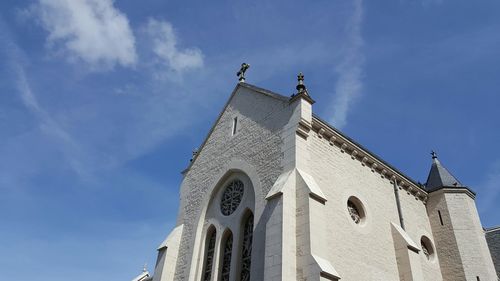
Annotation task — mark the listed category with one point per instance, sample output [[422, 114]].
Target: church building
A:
[[275, 193]]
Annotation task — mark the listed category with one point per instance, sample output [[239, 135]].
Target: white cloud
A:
[[165, 42], [350, 69], [93, 31]]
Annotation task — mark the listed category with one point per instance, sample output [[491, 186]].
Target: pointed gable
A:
[[241, 89]]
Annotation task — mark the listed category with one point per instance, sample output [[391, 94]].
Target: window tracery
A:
[[226, 258], [246, 257], [231, 197], [425, 250], [353, 211], [209, 259]]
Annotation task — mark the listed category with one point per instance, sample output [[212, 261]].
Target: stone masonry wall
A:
[[366, 251], [258, 142]]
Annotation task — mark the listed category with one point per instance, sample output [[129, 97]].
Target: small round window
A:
[[231, 198], [355, 209], [427, 249]]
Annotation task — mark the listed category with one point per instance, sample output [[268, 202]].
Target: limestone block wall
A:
[[364, 251], [461, 239], [446, 243], [417, 224], [257, 143]]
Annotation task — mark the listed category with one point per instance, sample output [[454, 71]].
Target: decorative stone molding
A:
[[343, 147], [403, 185], [364, 160], [321, 132], [335, 138], [409, 190], [332, 140], [393, 179], [303, 128], [353, 154]]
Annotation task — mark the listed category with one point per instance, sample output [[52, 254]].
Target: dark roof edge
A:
[[264, 91], [367, 151], [240, 84], [453, 187], [492, 229]]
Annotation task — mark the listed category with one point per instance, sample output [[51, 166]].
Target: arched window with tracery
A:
[[246, 250], [230, 209], [209, 256], [226, 257]]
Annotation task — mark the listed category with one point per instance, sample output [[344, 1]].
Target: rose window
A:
[[231, 198]]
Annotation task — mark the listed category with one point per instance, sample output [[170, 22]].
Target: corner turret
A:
[[459, 238]]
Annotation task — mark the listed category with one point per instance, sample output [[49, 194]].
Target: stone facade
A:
[[323, 207]]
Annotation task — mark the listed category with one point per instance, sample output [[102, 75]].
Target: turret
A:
[[459, 237]]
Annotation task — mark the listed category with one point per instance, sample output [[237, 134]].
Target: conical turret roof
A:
[[439, 176]]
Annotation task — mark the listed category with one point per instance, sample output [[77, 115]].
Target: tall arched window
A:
[[231, 207], [226, 257], [246, 251], [209, 256]]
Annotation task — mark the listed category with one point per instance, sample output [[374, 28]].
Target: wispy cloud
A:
[[165, 47], [93, 31], [350, 69], [47, 125]]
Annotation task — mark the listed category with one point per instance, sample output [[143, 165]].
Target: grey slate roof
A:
[[493, 239], [439, 177]]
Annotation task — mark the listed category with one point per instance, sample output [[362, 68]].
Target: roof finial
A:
[[195, 152], [144, 268], [434, 154], [241, 73], [300, 86]]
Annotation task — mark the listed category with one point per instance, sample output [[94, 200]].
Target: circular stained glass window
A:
[[427, 248], [231, 197], [356, 210]]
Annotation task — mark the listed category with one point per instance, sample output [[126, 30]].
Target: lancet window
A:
[[209, 257], [246, 253], [226, 257], [230, 211]]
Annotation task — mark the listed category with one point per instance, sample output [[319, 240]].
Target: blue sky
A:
[[102, 102]]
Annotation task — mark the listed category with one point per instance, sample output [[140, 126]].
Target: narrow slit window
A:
[[235, 125], [440, 217], [477, 277]]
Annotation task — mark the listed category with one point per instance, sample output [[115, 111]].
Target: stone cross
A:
[[241, 73]]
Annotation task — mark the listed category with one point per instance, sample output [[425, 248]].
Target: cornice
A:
[[454, 189], [371, 161]]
